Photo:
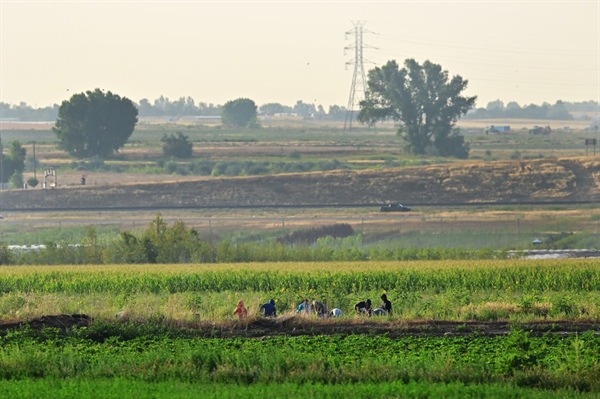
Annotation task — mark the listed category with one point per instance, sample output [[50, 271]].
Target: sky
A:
[[284, 51]]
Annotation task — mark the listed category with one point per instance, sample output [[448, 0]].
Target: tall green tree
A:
[[95, 123], [425, 100], [13, 162], [240, 113]]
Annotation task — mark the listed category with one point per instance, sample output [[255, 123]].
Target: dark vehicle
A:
[[394, 208]]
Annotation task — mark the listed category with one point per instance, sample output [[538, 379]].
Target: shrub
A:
[[16, 180], [171, 167], [311, 236], [176, 145], [32, 182]]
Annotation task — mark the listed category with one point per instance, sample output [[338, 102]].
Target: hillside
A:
[[546, 180]]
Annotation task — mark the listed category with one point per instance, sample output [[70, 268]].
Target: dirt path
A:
[[298, 326]]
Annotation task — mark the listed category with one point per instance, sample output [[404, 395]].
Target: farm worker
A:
[[379, 312], [337, 312], [320, 309], [303, 307], [241, 310], [386, 305], [363, 307], [268, 309]]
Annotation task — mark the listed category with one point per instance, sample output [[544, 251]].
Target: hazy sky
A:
[[284, 51]]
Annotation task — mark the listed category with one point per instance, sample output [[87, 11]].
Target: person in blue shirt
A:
[[268, 309], [304, 306]]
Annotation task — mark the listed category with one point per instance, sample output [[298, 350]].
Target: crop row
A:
[[336, 278], [549, 362], [460, 290]]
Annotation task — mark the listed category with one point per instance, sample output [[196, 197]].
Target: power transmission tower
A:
[[357, 90]]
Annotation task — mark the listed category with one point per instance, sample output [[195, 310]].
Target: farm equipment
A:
[[540, 131]]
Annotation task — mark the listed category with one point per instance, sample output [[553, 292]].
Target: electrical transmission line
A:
[[359, 82]]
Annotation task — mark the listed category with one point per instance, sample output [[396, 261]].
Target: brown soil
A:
[[542, 180], [62, 322], [297, 326]]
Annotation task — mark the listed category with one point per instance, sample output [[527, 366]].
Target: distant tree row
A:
[[160, 243], [559, 111], [24, 112], [302, 109], [186, 106]]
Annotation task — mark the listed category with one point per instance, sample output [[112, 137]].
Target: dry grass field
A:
[[544, 180]]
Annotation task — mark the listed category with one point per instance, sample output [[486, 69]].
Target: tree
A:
[[32, 182], [95, 123], [336, 112], [13, 163], [424, 100], [274, 108], [559, 111], [239, 113], [176, 145], [304, 109]]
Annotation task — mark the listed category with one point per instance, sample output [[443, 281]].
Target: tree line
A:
[[186, 106], [182, 107], [512, 110], [160, 243]]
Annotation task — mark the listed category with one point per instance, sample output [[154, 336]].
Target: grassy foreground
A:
[[122, 389], [177, 364]]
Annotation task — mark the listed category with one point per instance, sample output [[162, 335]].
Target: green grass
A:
[[461, 231], [119, 388]]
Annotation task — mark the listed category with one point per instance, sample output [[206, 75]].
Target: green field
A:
[[176, 336], [513, 290], [119, 361]]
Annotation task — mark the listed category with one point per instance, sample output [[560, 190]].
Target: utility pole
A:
[[34, 163], [1, 162], [359, 82]]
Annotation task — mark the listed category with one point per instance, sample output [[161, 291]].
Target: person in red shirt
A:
[[241, 310]]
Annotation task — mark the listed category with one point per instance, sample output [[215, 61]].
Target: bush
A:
[[219, 169], [176, 145], [311, 236], [32, 182], [202, 168], [16, 180]]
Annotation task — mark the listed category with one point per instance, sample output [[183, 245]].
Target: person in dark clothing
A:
[[363, 307], [268, 309], [320, 309], [386, 304]]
